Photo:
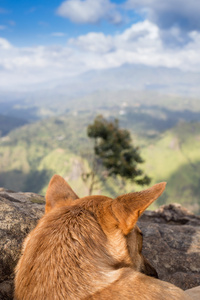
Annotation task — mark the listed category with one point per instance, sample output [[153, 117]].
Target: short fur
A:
[[90, 248]]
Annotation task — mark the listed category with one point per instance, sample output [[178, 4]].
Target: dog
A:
[[90, 248]]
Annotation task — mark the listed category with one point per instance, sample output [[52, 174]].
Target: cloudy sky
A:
[[44, 40]]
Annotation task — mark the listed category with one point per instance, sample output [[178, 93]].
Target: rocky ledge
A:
[[171, 239]]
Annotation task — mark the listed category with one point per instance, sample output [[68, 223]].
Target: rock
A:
[[172, 244], [6, 290], [173, 214], [19, 213], [171, 239]]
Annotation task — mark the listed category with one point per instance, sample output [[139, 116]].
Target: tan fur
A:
[[194, 293], [59, 193], [89, 248]]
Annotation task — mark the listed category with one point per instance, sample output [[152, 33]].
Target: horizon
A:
[[41, 42]]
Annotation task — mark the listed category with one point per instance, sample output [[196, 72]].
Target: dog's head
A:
[[116, 217]]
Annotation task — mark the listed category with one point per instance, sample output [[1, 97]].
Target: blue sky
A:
[[42, 40], [28, 22]]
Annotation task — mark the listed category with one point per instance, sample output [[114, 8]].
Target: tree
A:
[[114, 151]]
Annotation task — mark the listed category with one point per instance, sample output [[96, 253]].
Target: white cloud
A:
[[4, 44], [93, 42], [170, 13], [89, 11], [140, 38], [139, 44], [20, 67]]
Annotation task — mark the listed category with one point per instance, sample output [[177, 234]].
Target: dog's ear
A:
[[59, 193], [127, 208]]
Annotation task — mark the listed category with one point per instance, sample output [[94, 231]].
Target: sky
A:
[[43, 40]]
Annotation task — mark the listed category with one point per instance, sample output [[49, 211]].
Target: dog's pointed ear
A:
[[59, 193], [127, 208]]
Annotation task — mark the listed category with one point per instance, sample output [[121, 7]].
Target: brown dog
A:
[[89, 248]]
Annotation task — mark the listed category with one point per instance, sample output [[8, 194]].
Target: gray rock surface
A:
[[19, 213], [172, 244], [171, 239]]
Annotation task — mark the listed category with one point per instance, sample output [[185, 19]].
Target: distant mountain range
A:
[[137, 77], [53, 139], [43, 129]]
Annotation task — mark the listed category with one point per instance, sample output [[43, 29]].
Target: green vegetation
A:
[[175, 158], [168, 136], [114, 154]]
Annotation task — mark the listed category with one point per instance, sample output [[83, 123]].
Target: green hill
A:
[[175, 158], [30, 155]]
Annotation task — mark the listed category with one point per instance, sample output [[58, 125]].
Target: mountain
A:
[[127, 77], [44, 129], [169, 144]]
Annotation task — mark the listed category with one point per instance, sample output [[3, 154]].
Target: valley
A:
[[166, 128]]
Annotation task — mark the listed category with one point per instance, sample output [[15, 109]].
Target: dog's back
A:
[[89, 248]]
